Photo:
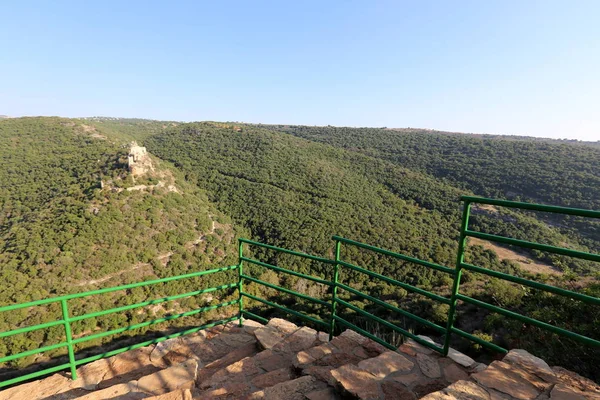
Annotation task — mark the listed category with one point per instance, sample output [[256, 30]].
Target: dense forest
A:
[[547, 171], [72, 218], [558, 172], [296, 193]]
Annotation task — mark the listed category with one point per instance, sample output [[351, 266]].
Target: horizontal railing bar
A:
[[531, 321], [392, 308], [390, 325], [533, 284], [482, 342], [34, 374], [282, 308], [403, 285], [531, 245], [154, 341], [396, 255], [531, 206], [32, 352], [364, 333], [150, 302], [31, 328], [114, 289], [255, 316], [152, 322], [292, 252], [286, 271], [282, 289]]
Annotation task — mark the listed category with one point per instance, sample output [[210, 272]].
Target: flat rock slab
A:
[[461, 390], [577, 381], [357, 382], [180, 376], [249, 325], [407, 379], [322, 394], [184, 394], [229, 391], [506, 379], [206, 372], [238, 372], [322, 373], [123, 390], [163, 348], [323, 337], [530, 363], [413, 348], [270, 360], [272, 378], [282, 325], [354, 336], [453, 373], [393, 390], [94, 373], [204, 346], [344, 344], [268, 337], [564, 392], [429, 365], [301, 339], [206, 351], [44, 388], [296, 389], [236, 339], [386, 363], [129, 366], [461, 358]]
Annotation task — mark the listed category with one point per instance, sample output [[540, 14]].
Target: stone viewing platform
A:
[[283, 361]]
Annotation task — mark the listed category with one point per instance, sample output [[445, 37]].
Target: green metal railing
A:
[[460, 265], [330, 306], [242, 258], [389, 307], [66, 321]]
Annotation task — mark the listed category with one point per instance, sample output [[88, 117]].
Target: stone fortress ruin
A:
[[138, 160]]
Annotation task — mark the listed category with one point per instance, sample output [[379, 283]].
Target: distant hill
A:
[[291, 191], [527, 169], [560, 172], [129, 129]]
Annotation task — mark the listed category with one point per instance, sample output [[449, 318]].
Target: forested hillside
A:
[[129, 129], [297, 193], [494, 166], [547, 171], [73, 219]]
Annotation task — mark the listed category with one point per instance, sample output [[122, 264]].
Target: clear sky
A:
[[514, 67]]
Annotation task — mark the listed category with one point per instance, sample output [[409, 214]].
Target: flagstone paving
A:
[[280, 360]]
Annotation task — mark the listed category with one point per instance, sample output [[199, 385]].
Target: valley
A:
[[73, 218]]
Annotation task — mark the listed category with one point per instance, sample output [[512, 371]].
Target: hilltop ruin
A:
[[138, 160]]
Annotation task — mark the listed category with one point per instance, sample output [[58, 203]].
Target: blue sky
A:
[[513, 67]]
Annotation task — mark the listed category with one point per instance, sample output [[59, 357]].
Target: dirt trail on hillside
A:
[[110, 276], [525, 262], [161, 257]]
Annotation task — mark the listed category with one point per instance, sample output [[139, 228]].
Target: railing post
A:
[[67, 322], [240, 280], [457, 274], [334, 288]]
